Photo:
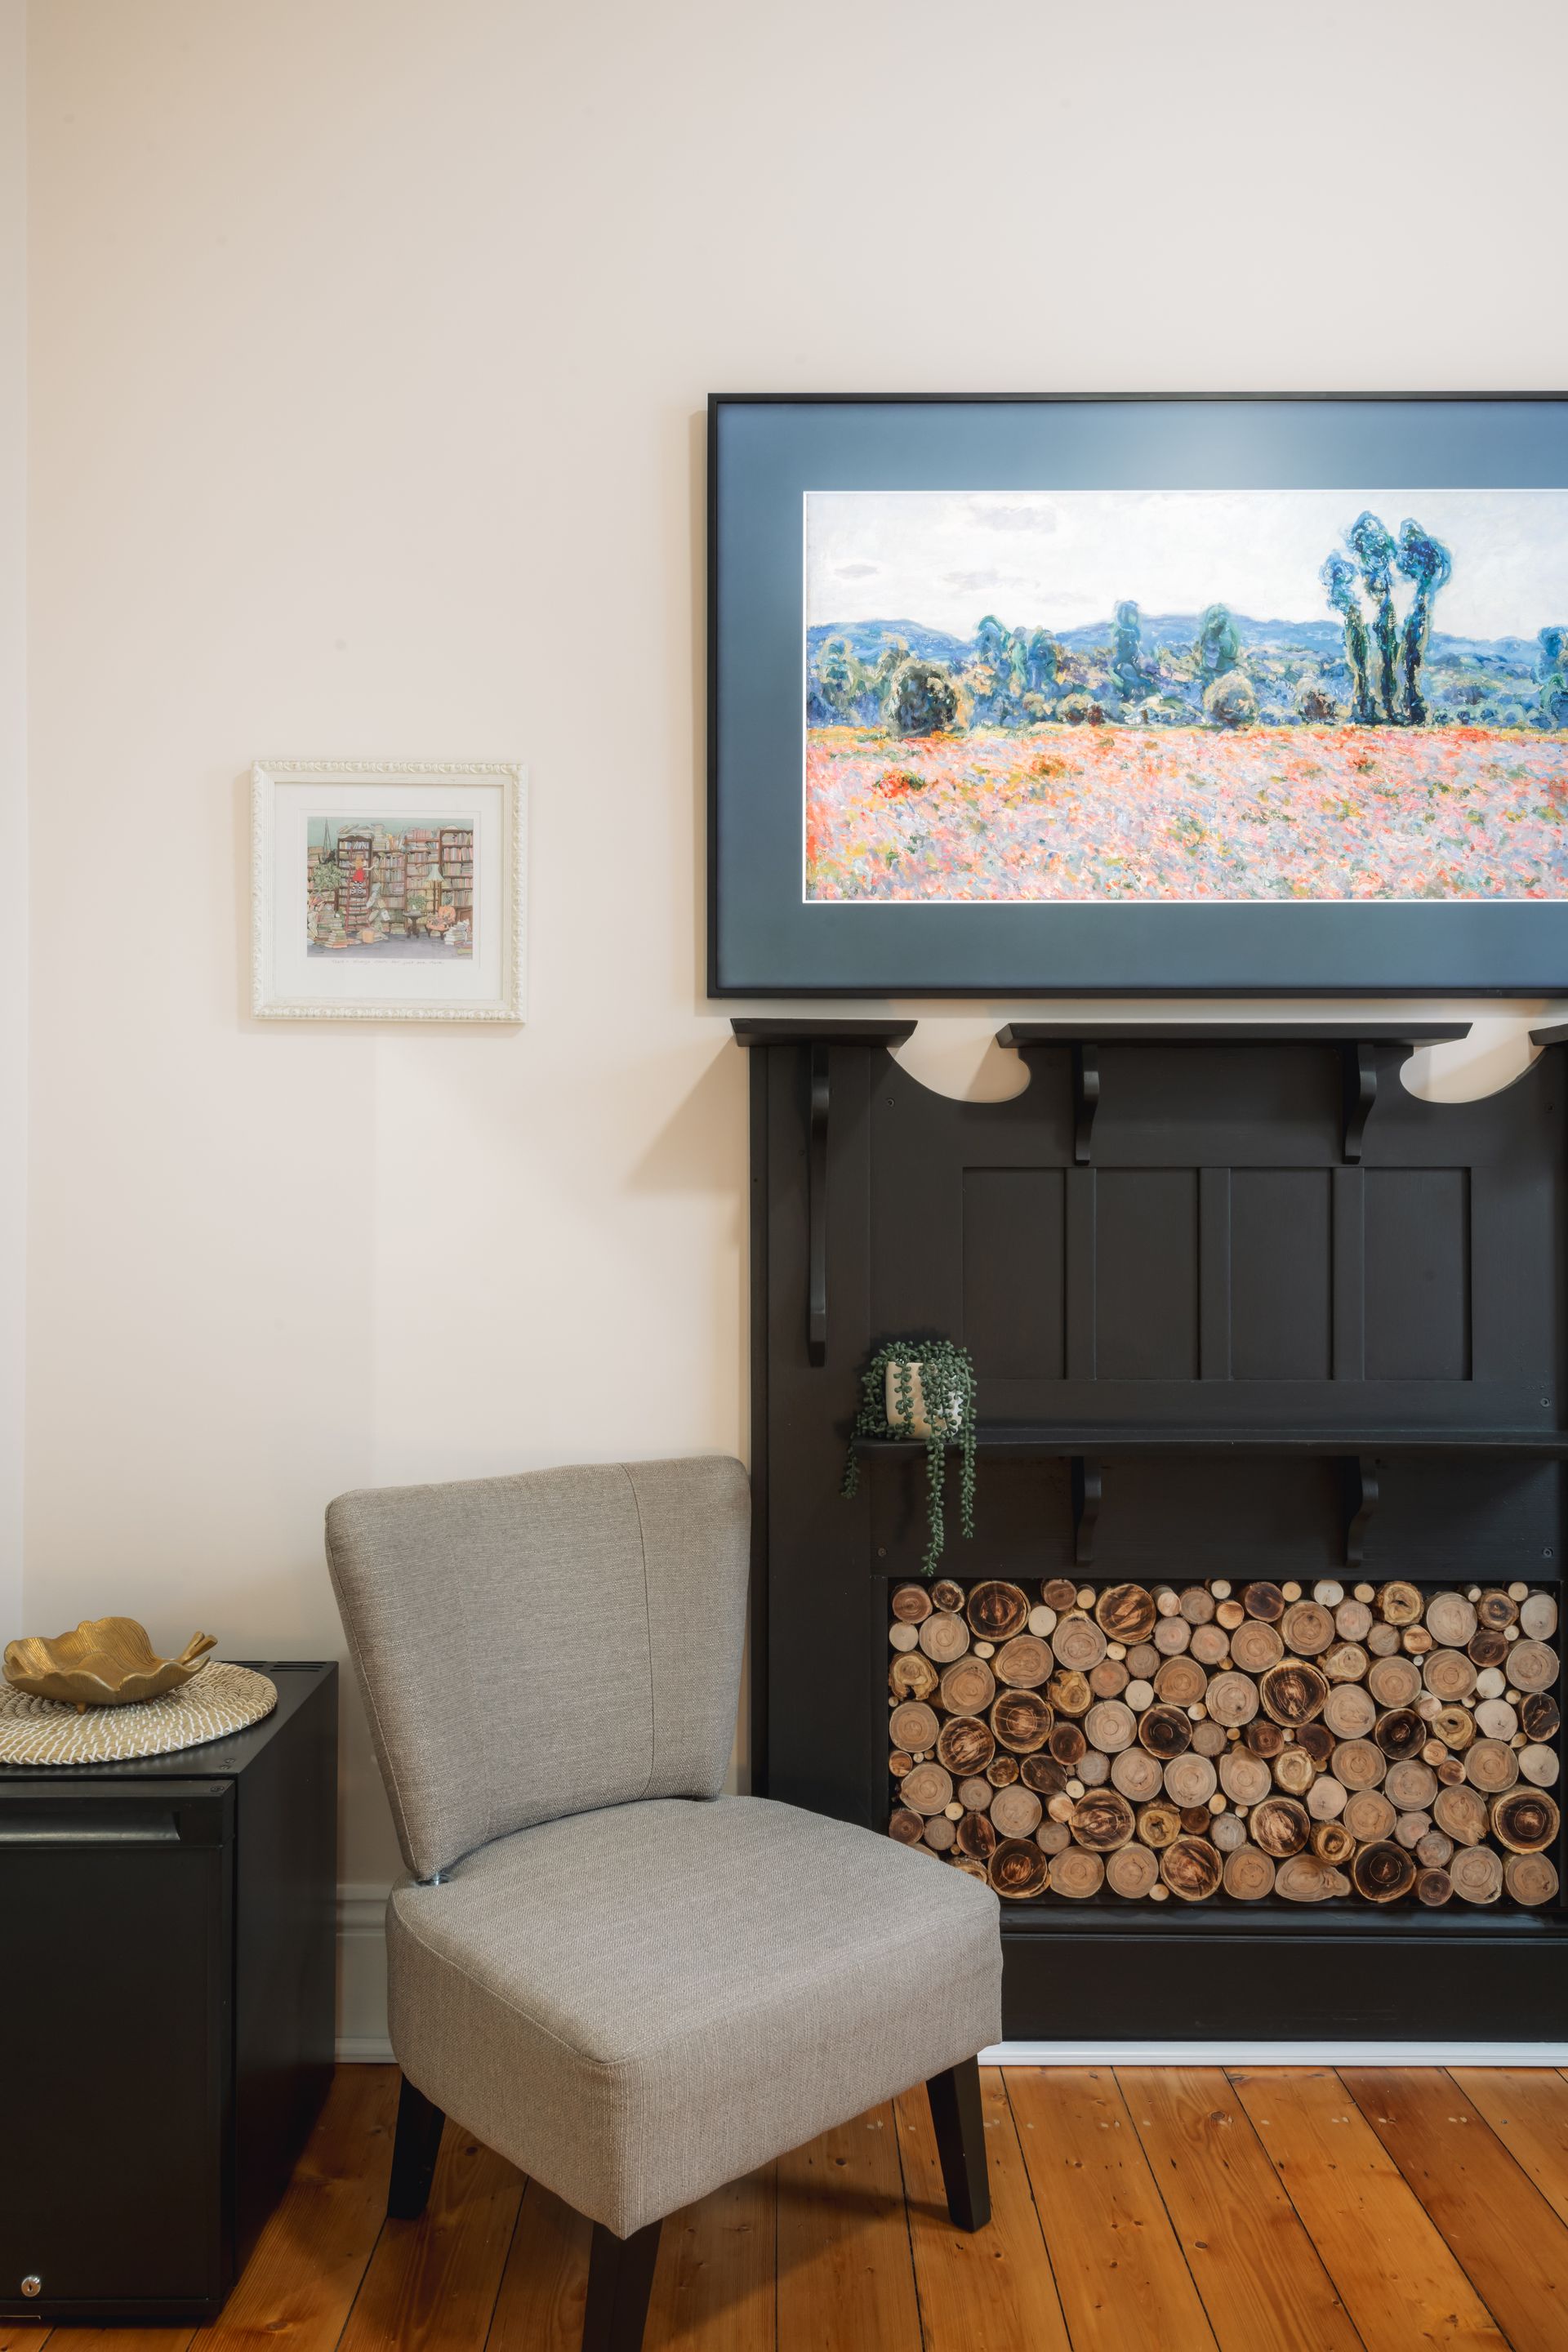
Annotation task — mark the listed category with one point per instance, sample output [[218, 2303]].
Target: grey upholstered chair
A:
[[633, 1987]]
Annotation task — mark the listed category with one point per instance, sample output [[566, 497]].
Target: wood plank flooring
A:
[[1135, 2209]]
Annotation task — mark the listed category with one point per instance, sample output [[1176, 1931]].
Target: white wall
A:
[[369, 345], [13, 793]]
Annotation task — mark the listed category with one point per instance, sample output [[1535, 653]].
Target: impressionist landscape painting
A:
[[1187, 695]]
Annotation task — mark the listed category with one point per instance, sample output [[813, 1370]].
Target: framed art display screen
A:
[[1098, 695]]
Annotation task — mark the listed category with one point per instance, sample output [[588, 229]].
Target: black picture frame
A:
[[765, 939]]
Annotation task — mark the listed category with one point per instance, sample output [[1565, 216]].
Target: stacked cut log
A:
[[1230, 1741]]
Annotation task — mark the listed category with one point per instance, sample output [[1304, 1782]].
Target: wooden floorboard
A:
[[1527, 2106], [1394, 2274], [1252, 2262], [718, 2261], [1152, 2209], [1118, 2266], [117, 2339], [545, 2283], [300, 2284], [1509, 2242], [431, 2285], [992, 2290], [846, 2273]]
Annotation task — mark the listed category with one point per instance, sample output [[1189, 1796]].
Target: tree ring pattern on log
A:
[[1126, 1612], [997, 1612], [969, 1687], [966, 1745], [943, 1638], [1239, 1747], [1180, 1682], [1021, 1720], [1293, 1691], [1024, 1662], [1254, 1646]]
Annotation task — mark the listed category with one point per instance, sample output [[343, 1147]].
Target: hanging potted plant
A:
[[925, 1389]]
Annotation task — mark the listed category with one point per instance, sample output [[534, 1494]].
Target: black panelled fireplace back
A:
[[1245, 1694]]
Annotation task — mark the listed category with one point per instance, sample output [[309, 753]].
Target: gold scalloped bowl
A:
[[107, 1662]]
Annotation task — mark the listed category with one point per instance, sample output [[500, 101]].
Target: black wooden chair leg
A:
[[960, 2121], [620, 2280], [413, 2153]]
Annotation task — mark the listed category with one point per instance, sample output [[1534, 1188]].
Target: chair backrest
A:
[[534, 1646]]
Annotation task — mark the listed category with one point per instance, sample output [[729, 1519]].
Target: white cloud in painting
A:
[[1065, 558], [1035, 515]]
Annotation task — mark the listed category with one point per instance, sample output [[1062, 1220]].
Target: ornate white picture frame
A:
[[388, 889]]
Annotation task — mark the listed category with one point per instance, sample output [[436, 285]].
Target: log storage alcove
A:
[[1211, 1740], [1245, 1697]]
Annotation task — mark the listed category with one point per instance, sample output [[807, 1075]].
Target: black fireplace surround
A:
[[1241, 1306]]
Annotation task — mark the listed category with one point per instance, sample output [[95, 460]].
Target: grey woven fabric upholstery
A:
[[531, 1646], [632, 1987], [639, 2004]]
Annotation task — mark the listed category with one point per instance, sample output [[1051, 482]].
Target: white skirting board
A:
[[1275, 2053], [362, 1975], [362, 2024]]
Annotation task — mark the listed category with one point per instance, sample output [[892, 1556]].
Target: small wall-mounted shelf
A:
[[1029, 1438], [1360, 1451], [1357, 1049], [1239, 1033]]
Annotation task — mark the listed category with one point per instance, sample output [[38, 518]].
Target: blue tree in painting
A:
[[923, 700], [1554, 643], [1017, 673], [1428, 563], [839, 678], [1040, 659], [1219, 647], [1127, 653], [992, 645], [989, 677], [1338, 577], [1371, 545]]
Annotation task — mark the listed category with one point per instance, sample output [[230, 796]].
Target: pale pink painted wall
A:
[[369, 342]]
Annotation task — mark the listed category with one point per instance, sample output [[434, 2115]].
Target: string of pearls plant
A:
[[922, 1389]]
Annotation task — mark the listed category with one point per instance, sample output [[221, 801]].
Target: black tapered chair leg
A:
[[960, 2121], [620, 2280], [413, 2153]]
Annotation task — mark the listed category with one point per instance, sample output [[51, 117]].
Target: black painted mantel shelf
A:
[[1357, 1045], [1050, 1443], [1356, 1042]]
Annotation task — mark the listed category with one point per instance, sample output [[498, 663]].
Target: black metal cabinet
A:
[[167, 1949]]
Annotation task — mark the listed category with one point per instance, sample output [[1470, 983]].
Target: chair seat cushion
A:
[[638, 2004]]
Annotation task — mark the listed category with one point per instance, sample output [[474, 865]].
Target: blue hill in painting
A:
[[867, 639]]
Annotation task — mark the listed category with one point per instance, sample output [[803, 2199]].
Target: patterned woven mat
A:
[[218, 1700]]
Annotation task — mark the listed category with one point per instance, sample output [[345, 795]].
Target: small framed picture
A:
[[388, 889]]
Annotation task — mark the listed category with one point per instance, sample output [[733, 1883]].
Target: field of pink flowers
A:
[[1134, 813]]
